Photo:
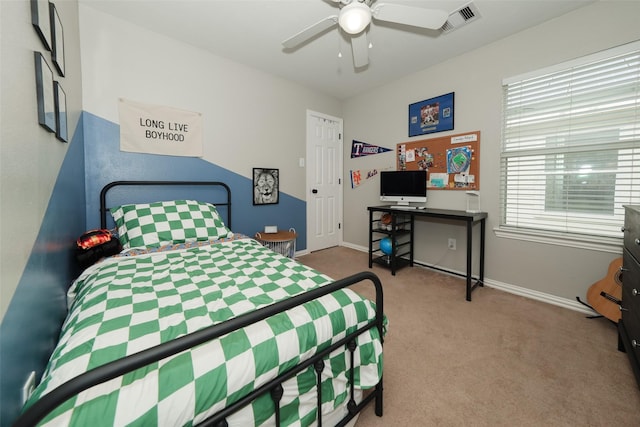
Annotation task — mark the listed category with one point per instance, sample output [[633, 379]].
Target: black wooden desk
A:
[[392, 261]]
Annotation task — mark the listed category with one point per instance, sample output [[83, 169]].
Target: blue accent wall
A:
[[31, 325], [106, 163]]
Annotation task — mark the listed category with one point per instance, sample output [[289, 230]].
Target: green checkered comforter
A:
[[125, 304]]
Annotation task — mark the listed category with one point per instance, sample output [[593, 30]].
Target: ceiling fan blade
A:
[[432, 19], [310, 32], [360, 48]]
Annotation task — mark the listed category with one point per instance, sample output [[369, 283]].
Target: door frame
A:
[[309, 156]]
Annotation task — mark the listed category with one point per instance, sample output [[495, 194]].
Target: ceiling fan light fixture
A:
[[354, 17]]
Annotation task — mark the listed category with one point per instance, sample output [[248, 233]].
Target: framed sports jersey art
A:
[[431, 115]]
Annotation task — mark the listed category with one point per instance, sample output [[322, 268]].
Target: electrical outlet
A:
[[452, 244], [28, 387]]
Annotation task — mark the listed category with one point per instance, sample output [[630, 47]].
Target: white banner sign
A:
[[156, 129]]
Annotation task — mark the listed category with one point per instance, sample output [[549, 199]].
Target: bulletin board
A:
[[452, 162]]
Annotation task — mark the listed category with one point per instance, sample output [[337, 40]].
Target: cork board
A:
[[452, 162]]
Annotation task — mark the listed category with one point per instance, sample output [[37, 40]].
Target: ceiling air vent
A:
[[460, 17]]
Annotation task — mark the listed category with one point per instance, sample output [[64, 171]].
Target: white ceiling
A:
[[251, 32]]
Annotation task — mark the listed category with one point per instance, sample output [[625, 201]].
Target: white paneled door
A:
[[324, 181]]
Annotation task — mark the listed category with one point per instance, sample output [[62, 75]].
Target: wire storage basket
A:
[[282, 242]]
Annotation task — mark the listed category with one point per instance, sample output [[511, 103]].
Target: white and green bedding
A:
[[140, 299]]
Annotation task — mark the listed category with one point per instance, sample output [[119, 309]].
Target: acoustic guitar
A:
[[605, 296]]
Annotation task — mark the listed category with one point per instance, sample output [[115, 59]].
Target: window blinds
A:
[[570, 155]]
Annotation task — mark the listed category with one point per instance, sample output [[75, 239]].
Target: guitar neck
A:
[[611, 298]]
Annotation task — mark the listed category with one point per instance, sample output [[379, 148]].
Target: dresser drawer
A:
[[632, 230], [631, 300], [631, 311], [631, 325], [630, 283], [630, 271], [631, 347]]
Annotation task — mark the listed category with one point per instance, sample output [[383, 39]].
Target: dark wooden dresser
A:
[[629, 325]]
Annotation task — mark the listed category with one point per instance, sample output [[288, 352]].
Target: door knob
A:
[[314, 191]]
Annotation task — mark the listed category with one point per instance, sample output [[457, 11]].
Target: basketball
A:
[[386, 246], [385, 222]]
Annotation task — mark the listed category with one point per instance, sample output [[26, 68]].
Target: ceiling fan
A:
[[355, 16]]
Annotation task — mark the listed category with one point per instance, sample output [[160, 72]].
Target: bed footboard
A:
[[109, 371]]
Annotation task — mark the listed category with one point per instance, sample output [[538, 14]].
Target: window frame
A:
[[563, 235]]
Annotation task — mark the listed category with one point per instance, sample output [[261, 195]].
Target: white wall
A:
[[30, 156], [254, 118], [251, 119], [476, 80]]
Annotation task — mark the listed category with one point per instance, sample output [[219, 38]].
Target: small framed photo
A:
[[44, 92], [57, 40], [61, 112], [41, 20], [265, 186], [431, 115]]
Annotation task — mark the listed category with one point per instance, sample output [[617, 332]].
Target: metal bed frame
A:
[[224, 202], [114, 369]]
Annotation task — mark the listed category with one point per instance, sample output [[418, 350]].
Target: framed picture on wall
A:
[[265, 186], [61, 112], [41, 21], [44, 92], [57, 42], [431, 115]]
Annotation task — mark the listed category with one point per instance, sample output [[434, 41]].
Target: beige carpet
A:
[[500, 360]]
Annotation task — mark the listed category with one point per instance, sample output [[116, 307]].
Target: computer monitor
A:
[[403, 187]]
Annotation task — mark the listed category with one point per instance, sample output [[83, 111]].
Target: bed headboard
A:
[[215, 192]]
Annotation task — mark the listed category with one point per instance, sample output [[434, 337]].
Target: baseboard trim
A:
[[301, 253], [506, 287], [540, 296]]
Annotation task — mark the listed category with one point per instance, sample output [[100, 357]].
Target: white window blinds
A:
[[570, 156]]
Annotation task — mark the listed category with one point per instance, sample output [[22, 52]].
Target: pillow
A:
[[170, 222]]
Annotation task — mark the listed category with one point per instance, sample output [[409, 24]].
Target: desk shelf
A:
[[385, 261], [397, 227]]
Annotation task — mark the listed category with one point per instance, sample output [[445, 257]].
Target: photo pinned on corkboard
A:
[[452, 162]]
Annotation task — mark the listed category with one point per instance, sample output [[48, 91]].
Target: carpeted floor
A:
[[500, 360]]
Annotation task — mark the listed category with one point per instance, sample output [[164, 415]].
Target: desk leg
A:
[[370, 239], [412, 224], [482, 230], [469, 251], [392, 236]]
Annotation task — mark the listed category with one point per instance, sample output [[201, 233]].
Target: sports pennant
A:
[[357, 176], [360, 149]]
